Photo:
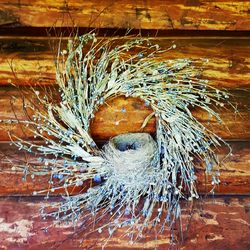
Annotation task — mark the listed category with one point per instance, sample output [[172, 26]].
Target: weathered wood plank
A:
[[110, 120], [158, 14], [235, 173], [32, 59], [221, 223], [121, 115]]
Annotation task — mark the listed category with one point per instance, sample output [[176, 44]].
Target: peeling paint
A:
[[194, 240], [213, 237], [20, 230], [211, 220]]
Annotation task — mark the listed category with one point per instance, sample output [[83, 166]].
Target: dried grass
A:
[[171, 87]]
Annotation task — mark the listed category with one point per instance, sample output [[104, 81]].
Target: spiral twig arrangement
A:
[[126, 190]]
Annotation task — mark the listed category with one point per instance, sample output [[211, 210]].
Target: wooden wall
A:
[[214, 29]]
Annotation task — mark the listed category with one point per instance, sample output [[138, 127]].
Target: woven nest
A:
[[130, 155]]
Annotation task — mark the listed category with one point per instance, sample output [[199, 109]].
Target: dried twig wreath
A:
[[134, 174]]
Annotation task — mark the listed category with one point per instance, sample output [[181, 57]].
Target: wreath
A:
[[137, 180]]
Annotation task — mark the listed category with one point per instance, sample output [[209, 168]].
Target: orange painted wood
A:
[[30, 61], [235, 173], [157, 14], [110, 120], [221, 223]]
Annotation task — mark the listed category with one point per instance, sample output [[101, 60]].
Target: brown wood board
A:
[[221, 29], [111, 119], [235, 172], [157, 14], [30, 61], [221, 223]]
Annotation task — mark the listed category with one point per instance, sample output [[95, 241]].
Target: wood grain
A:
[[221, 223], [122, 115], [157, 14], [30, 61], [110, 120], [235, 173]]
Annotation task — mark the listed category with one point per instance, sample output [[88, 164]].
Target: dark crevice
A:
[[66, 31]]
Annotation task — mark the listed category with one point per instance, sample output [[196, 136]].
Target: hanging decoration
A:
[[137, 180]]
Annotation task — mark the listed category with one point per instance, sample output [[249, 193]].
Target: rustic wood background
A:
[[214, 29]]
